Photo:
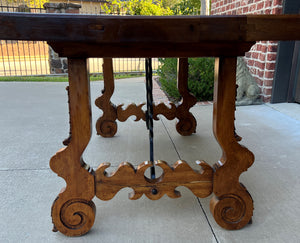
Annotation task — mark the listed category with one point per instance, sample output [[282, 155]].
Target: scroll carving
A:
[[106, 125], [137, 110], [131, 110], [180, 174]]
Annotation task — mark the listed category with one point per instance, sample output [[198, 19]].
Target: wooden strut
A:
[[180, 174], [106, 125]]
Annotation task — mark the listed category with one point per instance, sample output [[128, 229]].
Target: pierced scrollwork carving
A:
[[163, 109], [130, 110], [180, 174], [137, 111]]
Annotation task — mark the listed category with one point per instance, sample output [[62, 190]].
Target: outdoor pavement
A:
[[34, 122]]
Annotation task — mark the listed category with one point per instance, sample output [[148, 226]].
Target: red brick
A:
[[267, 91], [248, 54], [268, 3], [268, 82], [258, 46], [252, 8], [260, 73], [277, 2], [269, 74], [276, 10], [272, 48], [260, 65], [245, 10], [238, 4], [270, 65], [250, 1], [239, 11], [268, 11], [271, 56], [254, 55], [259, 81], [262, 57], [250, 62], [260, 5]]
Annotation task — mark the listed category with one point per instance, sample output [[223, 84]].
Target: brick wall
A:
[[262, 56]]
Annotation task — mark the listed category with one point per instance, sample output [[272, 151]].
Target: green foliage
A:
[[187, 7], [137, 7], [29, 3], [200, 81]]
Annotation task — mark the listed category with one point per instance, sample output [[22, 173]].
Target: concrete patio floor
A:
[[34, 122]]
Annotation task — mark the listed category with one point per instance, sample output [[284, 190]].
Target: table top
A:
[[118, 36]]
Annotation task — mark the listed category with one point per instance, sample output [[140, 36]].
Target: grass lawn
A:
[[60, 78]]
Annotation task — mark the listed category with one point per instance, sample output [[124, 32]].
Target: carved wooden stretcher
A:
[[80, 37], [106, 125]]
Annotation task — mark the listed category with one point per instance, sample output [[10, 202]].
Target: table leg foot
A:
[[73, 217], [106, 128], [232, 211], [186, 126]]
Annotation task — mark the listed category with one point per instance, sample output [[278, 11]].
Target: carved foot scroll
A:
[[73, 211], [181, 174], [232, 205], [106, 125]]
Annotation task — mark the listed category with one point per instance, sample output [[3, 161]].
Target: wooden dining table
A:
[[79, 37]]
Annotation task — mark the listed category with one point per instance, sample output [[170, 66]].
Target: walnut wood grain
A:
[[180, 174], [143, 30], [73, 212], [232, 205]]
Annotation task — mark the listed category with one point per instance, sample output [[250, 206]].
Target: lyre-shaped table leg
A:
[[232, 205], [73, 212], [106, 125]]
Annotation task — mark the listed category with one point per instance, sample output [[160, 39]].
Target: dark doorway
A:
[[286, 85]]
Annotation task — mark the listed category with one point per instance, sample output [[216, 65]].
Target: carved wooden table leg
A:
[[106, 125], [187, 122], [73, 212], [232, 205]]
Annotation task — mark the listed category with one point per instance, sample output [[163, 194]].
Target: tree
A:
[[29, 3], [137, 7]]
